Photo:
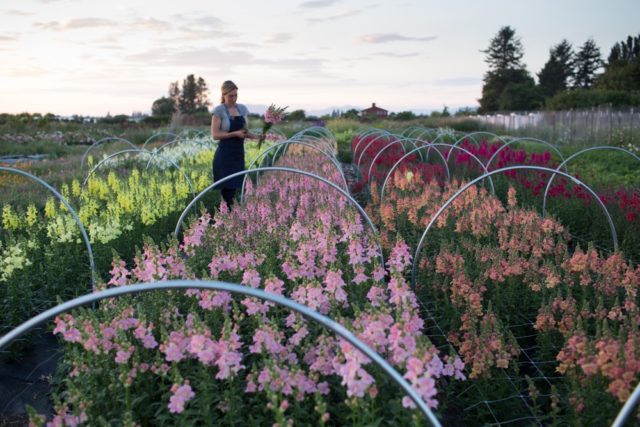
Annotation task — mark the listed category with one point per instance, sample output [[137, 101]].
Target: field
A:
[[430, 300]]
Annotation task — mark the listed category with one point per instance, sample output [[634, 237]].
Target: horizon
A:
[[413, 55]]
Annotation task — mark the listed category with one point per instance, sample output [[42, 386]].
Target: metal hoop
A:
[[379, 134], [235, 289], [155, 135], [137, 150], [574, 155], [493, 191], [553, 147], [285, 143], [73, 213], [401, 140], [496, 171], [109, 138], [472, 136], [283, 169]]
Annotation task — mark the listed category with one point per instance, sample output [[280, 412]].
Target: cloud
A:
[[76, 24], [279, 38], [203, 27], [149, 24], [337, 16], [315, 4], [459, 81], [392, 37], [398, 55], [5, 38], [15, 12], [211, 57]]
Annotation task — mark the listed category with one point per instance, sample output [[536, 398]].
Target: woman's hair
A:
[[227, 87]]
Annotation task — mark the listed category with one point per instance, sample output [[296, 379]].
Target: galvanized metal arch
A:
[[493, 191], [157, 134], [401, 140], [449, 201], [574, 155], [548, 144], [416, 129], [319, 133], [322, 142], [627, 408], [375, 139], [286, 143], [235, 289], [137, 150], [176, 141], [284, 146], [429, 131], [378, 134], [59, 196], [283, 169], [100, 141], [384, 184], [364, 132], [319, 129], [314, 139], [472, 136], [409, 130]]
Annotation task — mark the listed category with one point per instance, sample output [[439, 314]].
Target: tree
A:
[[296, 116], [193, 97], [164, 106], [504, 57], [202, 98], [404, 115], [587, 62], [558, 70], [622, 70], [351, 114], [505, 51], [174, 93]]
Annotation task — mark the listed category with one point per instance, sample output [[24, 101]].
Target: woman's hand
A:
[[240, 133]]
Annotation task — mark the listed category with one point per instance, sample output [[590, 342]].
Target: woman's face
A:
[[231, 97]]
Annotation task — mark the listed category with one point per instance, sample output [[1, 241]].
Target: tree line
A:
[[569, 78]]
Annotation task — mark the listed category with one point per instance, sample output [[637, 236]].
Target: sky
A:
[[116, 57]]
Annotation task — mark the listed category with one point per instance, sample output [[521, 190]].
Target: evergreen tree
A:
[[163, 107], [622, 71], [588, 61], [558, 70], [504, 57], [202, 98], [187, 100], [174, 93]]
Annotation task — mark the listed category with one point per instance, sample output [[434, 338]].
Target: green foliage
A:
[[554, 76], [164, 106], [296, 116], [587, 62], [404, 115], [510, 90], [587, 98], [623, 69]]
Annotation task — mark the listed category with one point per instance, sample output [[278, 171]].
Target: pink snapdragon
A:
[[181, 394]]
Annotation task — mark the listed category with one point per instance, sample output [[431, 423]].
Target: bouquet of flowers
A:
[[272, 116]]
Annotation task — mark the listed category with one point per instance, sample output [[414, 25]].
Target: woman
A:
[[229, 126]]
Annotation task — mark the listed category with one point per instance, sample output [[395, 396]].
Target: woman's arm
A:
[[218, 134]]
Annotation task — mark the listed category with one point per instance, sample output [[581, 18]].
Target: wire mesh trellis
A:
[[533, 365], [519, 401], [328, 323]]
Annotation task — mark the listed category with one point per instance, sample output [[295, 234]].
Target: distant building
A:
[[374, 112]]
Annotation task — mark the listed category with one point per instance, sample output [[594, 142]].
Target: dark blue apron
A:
[[229, 156]]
